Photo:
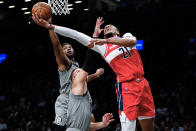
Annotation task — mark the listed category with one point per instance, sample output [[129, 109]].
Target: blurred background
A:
[[28, 71]]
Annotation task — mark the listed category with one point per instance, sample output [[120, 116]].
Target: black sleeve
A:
[[90, 61]]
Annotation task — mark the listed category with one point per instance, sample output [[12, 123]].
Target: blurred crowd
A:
[[27, 99], [29, 81]]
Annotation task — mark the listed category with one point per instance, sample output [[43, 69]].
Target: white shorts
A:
[[130, 125], [126, 124]]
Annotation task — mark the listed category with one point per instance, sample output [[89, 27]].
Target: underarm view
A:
[[79, 79]]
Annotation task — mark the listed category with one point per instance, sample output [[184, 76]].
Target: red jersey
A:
[[134, 94], [124, 61]]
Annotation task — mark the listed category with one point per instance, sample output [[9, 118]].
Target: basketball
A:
[[43, 10]]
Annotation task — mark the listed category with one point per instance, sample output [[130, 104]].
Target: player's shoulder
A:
[[127, 35]]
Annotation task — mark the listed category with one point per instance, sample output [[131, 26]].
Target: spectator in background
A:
[[3, 125], [177, 127]]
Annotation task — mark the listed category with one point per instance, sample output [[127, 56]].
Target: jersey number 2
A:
[[124, 50]]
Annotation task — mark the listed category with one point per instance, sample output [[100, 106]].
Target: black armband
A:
[[50, 26]]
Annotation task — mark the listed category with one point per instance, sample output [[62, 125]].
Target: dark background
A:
[[29, 79]]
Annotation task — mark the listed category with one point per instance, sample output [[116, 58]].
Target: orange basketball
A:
[[43, 10]]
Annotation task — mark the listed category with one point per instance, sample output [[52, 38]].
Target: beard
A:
[[109, 35], [70, 56]]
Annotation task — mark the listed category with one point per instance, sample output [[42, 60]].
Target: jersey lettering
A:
[[124, 50]]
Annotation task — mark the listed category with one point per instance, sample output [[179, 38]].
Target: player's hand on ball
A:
[[107, 119], [99, 72], [41, 22]]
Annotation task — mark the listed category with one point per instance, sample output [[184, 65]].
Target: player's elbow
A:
[[131, 39], [131, 42], [92, 126]]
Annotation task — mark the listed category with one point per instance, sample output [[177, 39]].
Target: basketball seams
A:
[[43, 10]]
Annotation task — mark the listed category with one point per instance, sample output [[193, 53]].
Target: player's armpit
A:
[[79, 79]]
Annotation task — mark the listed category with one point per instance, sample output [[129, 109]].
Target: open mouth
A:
[[69, 52]]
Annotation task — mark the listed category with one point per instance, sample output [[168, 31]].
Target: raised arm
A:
[[98, 30], [127, 40], [61, 59], [80, 37], [67, 32]]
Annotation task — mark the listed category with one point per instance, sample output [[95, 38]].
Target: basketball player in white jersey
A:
[[68, 70]]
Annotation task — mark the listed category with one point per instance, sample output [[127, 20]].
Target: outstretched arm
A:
[[67, 32], [61, 59], [118, 41], [106, 120], [80, 37], [98, 73]]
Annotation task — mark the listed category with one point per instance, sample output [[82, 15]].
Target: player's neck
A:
[[73, 59], [110, 35], [113, 37]]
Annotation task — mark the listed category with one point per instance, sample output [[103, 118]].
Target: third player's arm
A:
[[91, 77], [61, 59], [98, 73], [106, 120]]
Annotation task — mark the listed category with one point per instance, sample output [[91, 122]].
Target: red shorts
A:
[[135, 99]]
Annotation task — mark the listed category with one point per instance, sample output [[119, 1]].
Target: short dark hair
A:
[[65, 44]]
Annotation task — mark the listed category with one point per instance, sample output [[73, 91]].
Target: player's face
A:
[[68, 50], [110, 29]]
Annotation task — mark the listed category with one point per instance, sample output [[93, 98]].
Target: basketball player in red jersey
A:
[[134, 95]]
